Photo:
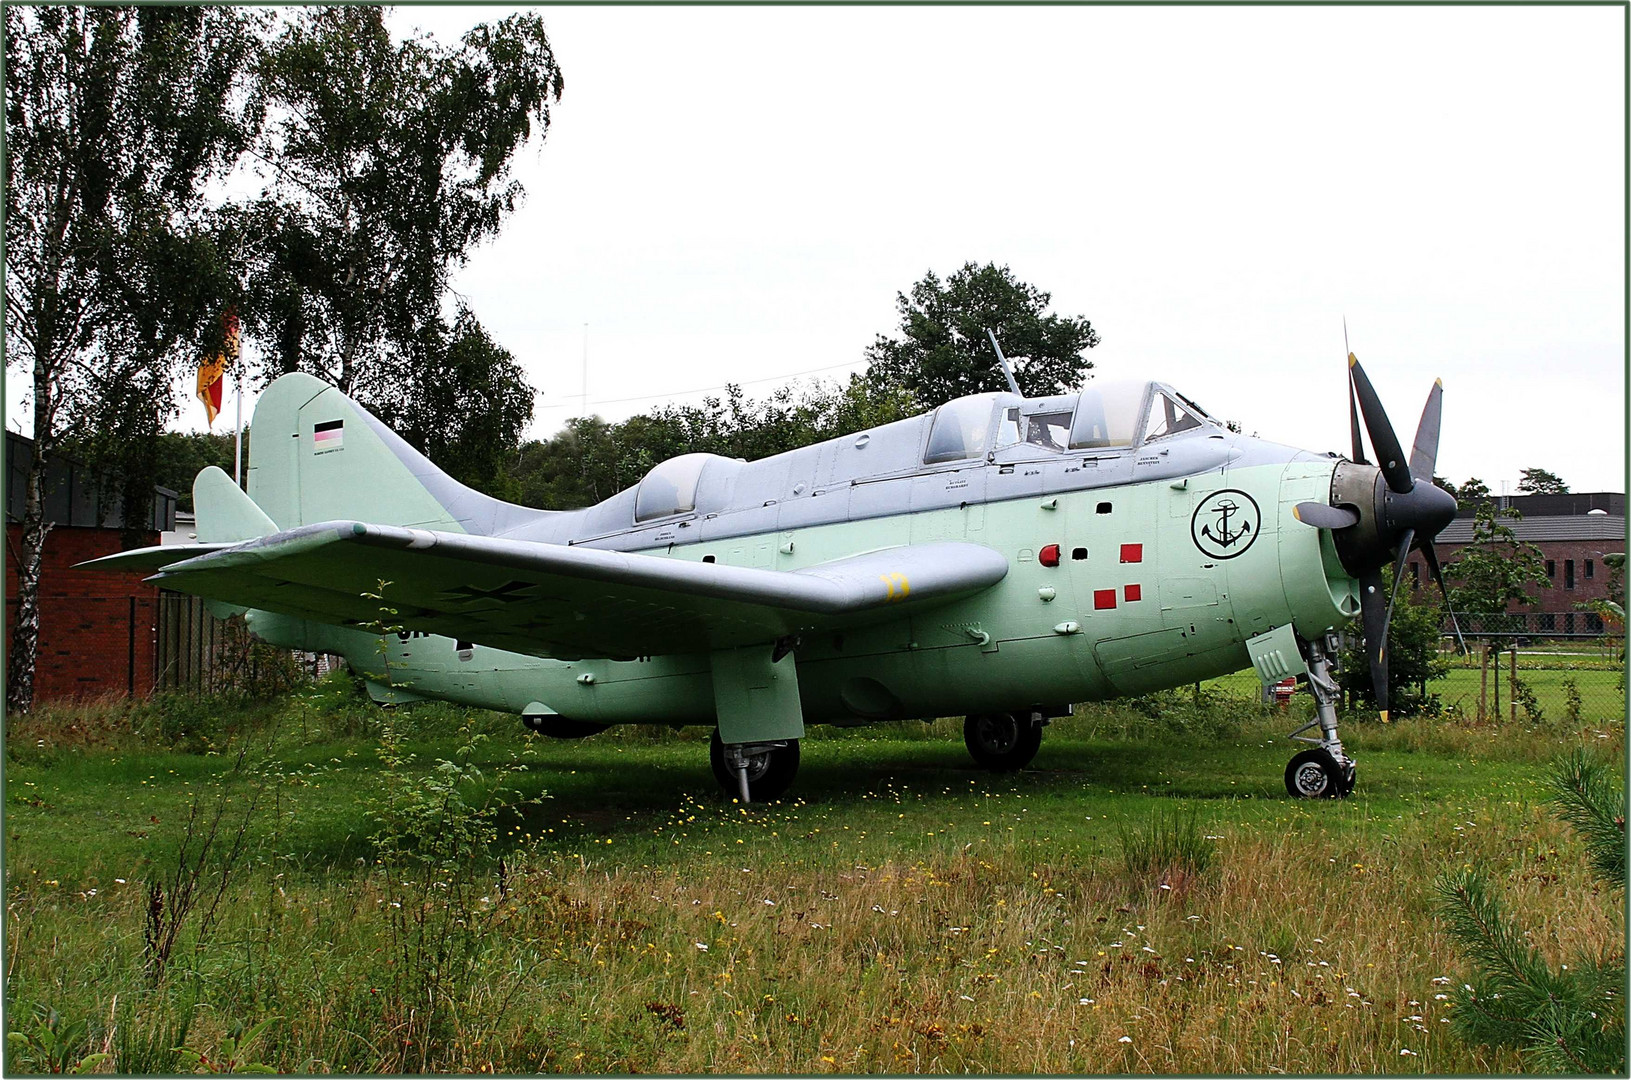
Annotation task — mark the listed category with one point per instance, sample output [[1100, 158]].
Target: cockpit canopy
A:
[[1106, 415], [671, 487]]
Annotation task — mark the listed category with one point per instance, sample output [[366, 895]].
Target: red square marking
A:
[[1103, 598], [1133, 592], [1132, 553]]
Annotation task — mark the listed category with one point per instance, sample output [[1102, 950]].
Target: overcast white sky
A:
[[737, 194]]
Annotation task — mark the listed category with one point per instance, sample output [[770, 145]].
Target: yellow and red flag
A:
[[212, 372]]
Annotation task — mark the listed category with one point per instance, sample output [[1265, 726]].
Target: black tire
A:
[[1002, 742], [1315, 774], [770, 774]]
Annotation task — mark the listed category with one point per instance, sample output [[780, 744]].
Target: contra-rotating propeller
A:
[[1379, 513]]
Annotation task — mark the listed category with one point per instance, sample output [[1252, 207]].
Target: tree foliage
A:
[[1541, 482], [1470, 494], [590, 459], [941, 350], [1413, 636], [386, 164], [1495, 570], [117, 120], [1571, 1019]]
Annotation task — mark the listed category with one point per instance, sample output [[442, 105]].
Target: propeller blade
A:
[[1373, 613], [1390, 455], [1437, 571], [1424, 452], [1358, 456], [1324, 516]]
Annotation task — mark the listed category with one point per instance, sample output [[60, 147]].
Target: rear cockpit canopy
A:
[[1106, 415], [670, 488]]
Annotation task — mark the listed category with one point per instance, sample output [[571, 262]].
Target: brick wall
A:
[[87, 617]]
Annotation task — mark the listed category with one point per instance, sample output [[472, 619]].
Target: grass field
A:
[[1144, 898]]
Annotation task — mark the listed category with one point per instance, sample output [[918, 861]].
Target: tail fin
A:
[[316, 455]]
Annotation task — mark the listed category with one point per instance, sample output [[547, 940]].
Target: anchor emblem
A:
[[1225, 524]]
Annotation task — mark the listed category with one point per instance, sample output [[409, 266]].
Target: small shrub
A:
[[51, 1044], [1572, 705], [1525, 695], [1571, 1020], [1169, 847]]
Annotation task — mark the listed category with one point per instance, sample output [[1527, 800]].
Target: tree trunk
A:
[[25, 631]]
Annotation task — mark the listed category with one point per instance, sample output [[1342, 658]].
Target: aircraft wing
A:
[[562, 601]]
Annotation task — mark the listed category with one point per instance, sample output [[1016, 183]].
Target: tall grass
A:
[[605, 912]]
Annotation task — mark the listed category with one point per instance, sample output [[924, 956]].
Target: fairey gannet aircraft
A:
[[999, 557]]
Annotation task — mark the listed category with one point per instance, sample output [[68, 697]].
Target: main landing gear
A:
[[754, 772], [1323, 771], [1003, 742]]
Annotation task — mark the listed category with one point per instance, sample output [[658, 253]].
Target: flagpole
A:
[[238, 427]]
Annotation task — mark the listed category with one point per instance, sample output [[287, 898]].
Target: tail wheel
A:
[[1316, 774], [1002, 742], [771, 767]]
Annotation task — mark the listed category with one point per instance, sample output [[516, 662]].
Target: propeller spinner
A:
[[1379, 513]]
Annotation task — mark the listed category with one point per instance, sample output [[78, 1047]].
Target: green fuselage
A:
[[1158, 584]]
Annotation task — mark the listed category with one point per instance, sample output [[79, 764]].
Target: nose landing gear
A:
[[1323, 771]]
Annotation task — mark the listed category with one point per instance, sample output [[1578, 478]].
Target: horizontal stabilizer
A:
[[148, 559]]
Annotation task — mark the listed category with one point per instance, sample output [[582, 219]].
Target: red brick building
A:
[[1573, 533], [97, 630]]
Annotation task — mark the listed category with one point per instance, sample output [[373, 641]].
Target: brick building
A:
[[97, 629], [1573, 533]]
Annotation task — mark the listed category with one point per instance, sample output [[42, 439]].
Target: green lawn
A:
[[890, 917]]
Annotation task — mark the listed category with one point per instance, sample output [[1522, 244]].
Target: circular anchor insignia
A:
[[1225, 524]]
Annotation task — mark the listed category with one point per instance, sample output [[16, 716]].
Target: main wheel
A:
[[1002, 742], [1315, 774], [770, 769]]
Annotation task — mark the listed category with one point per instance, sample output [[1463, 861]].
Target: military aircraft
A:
[[1000, 557]]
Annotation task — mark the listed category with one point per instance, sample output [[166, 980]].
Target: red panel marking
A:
[[1103, 598], [1133, 592], [1049, 556], [1132, 553]]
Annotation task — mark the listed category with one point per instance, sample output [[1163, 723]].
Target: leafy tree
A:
[[1541, 482], [117, 119], [387, 164], [467, 412], [942, 352], [1495, 569], [1413, 659], [1444, 484], [1470, 494], [591, 460], [1569, 1020]]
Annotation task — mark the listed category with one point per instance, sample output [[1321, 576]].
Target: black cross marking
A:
[[508, 593]]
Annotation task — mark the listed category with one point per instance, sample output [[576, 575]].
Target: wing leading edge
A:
[[554, 600]]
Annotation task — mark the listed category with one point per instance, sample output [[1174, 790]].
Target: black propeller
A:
[[1380, 513]]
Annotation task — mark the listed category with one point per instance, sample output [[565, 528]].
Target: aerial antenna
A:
[[1345, 334], [1007, 371]]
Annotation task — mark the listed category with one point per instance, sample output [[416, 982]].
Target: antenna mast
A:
[[1007, 371]]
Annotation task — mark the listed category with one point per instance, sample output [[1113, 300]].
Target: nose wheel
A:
[[1316, 774], [1322, 771]]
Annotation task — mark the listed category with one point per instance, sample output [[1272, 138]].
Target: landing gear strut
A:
[[754, 772], [1323, 771]]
